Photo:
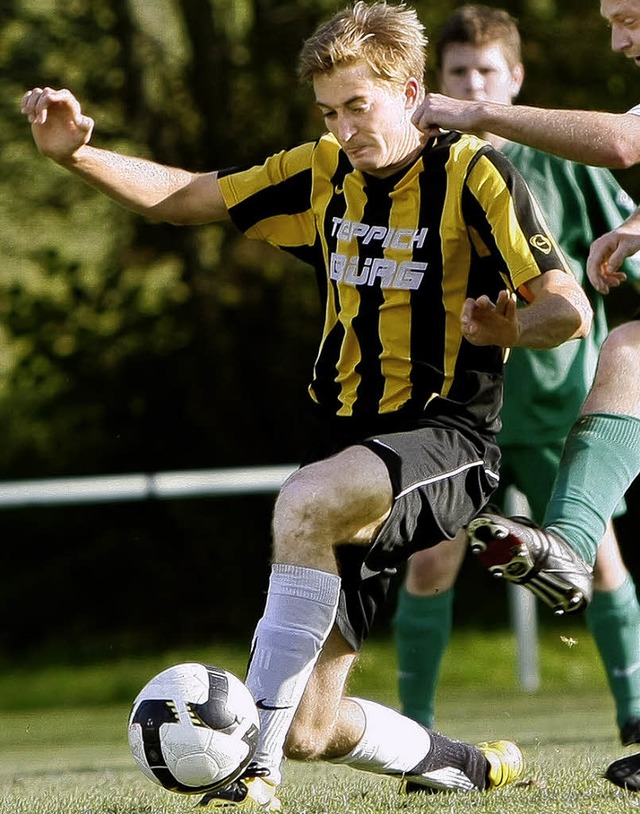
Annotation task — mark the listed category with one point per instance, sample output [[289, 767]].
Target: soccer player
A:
[[601, 458], [478, 57], [418, 245]]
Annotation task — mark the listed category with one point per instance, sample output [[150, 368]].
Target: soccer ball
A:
[[193, 728]]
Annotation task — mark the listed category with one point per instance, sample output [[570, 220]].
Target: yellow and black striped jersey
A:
[[395, 258]]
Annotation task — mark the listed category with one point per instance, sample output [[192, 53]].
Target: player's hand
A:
[[438, 111], [58, 125], [485, 323], [608, 253]]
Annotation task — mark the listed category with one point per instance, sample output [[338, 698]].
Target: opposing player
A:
[[417, 244], [478, 56], [601, 458]]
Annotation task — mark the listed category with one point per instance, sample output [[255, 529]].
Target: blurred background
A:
[[128, 346]]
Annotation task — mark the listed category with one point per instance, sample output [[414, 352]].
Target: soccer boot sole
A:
[[521, 553]]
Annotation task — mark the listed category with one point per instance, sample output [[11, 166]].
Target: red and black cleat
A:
[[521, 552]]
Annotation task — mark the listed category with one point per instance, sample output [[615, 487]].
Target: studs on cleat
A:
[[483, 534], [516, 550]]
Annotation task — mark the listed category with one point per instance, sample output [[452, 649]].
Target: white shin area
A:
[[299, 614]]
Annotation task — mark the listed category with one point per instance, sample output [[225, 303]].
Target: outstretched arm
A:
[[608, 253], [588, 136], [559, 310], [62, 132]]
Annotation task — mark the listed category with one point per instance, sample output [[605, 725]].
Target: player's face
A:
[[370, 118], [623, 17], [479, 73]]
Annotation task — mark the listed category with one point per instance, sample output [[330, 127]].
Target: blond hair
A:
[[389, 38]]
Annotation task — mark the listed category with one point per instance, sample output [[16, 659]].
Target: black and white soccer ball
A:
[[193, 728]]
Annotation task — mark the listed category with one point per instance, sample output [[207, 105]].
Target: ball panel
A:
[[193, 728]]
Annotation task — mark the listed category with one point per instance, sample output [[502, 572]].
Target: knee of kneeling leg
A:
[[304, 744]]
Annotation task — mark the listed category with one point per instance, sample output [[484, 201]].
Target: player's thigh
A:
[[344, 498], [317, 716], [533, 470], [616, 386]]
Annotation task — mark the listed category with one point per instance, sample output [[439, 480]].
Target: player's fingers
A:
[[597, 265], [49, 97], [502, 302], [484, 302], [467, 310], [510, 308], [614, 275], [29, 101]]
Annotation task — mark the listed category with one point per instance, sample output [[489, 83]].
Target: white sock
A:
[[396, 745], [390, 744], [299, 614]]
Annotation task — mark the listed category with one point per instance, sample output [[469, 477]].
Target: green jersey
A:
[[544, 389]]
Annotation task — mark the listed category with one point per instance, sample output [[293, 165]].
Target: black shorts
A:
[[441, 476]]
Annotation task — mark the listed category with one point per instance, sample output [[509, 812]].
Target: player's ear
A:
[[413, 91], [517, 78]]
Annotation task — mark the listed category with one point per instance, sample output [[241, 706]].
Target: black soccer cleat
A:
[[489, 765], [630, 732], [625, 772], [521, 552]]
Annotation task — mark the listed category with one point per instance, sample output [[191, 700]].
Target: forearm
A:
[[142, 186], [553, 319], [590, 137]]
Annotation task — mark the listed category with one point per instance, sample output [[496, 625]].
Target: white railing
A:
[[234, 481], [159, 485]]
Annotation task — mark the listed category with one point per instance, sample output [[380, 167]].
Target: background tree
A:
[[129, 346]]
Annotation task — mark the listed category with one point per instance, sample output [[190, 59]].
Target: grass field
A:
[[66, 751]]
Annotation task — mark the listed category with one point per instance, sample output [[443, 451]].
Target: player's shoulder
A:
[[463, 148]]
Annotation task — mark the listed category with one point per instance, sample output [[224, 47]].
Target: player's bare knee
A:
[[305, 503], [622, 345], [305, 743]]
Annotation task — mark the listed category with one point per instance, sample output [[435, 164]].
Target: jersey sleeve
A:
[[272, 201], [518, 229]]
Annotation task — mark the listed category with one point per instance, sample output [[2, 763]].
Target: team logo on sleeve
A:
[[541, 243]]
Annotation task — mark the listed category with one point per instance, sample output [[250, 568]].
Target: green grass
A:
[[67, 753]]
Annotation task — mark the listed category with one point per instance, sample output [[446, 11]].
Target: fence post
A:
[[523, 611]]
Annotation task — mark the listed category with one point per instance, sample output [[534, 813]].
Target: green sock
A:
[[600, 461], [613, 617], [422, 626]]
